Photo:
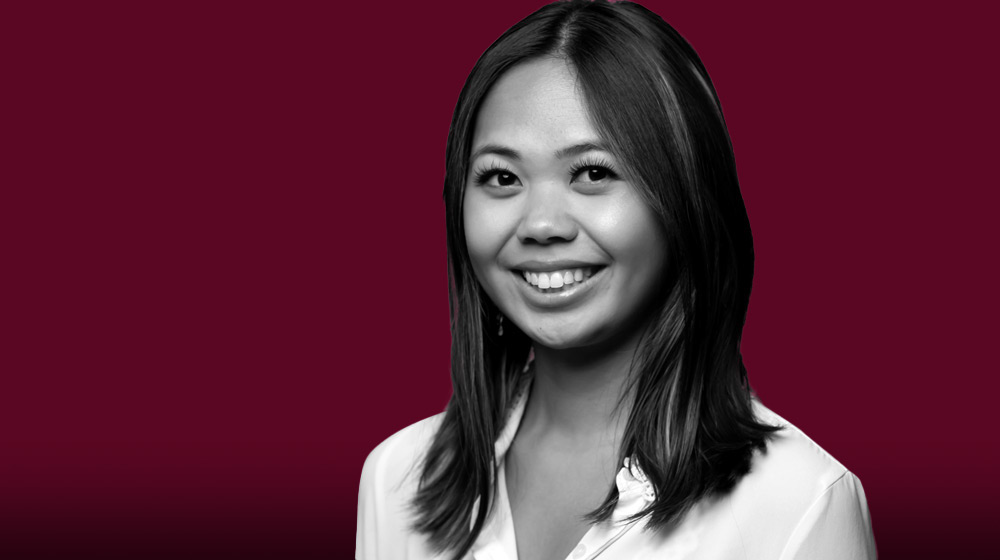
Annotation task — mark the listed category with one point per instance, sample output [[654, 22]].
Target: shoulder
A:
[[400, 453], [791, 482], [389, 480], [792, 461]]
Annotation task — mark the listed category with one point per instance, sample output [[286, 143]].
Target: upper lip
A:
[[553, 265]]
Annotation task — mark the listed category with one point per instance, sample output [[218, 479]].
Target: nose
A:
[[546, 216]]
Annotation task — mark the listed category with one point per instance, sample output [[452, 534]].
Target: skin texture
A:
[[538, 211], [528, 200]]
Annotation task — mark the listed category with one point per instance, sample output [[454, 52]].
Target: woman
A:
[[601, 262]]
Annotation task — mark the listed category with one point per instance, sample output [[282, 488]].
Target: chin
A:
[[556, 340], [555, 344]]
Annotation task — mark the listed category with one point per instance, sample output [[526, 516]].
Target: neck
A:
[[576, 392]]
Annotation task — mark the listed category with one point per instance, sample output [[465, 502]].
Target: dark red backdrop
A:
[[224, 268]]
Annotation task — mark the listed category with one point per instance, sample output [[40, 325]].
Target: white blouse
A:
[[797, 502]]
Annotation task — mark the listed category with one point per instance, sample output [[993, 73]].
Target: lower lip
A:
[[564, 297]]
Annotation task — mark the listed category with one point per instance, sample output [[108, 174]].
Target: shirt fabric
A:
[[797, 502]]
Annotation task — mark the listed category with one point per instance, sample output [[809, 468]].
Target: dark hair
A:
[[691, 425]]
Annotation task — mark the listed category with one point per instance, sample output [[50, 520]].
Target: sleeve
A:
[[367, 538], [836, 526], [388, 485]]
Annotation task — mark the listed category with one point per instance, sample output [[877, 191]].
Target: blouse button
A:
[[579, 551]]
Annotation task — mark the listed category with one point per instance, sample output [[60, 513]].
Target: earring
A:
[[500, 329]]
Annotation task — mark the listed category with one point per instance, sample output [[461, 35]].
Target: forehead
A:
[[535, 105]]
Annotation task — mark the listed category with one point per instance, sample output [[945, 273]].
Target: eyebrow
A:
[[511, 153]]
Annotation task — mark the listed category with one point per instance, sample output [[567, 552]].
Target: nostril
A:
[[546, 222], [544, 235]]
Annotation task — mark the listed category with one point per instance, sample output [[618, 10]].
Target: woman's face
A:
[[558, 239]]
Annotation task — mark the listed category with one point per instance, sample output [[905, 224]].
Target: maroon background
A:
[[224, 269]]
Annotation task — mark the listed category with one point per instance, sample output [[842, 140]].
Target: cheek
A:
[[483, 235], [643, 243], [632, 233]]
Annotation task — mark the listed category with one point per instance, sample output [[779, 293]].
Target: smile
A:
[[558, 280]]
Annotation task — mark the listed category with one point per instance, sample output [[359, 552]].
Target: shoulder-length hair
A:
[[691, 425]]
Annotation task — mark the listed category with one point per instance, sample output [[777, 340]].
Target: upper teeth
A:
[[557, 279]]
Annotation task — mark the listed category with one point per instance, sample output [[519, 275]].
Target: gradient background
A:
[[223, 258]]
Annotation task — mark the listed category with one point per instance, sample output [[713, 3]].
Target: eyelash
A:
[[483, 175], [596, 163]]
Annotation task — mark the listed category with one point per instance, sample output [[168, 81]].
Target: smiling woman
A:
[[544, 206], [601, 263]]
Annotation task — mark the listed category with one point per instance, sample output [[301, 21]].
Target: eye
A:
[[505, 179], [593, 173], [497, 177]]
